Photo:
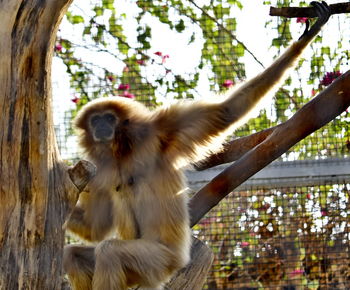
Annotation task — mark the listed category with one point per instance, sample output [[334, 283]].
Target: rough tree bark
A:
[[36, 192], [194, 275]]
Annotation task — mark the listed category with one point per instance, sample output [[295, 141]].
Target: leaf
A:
[[108, 4], [98, 11], [74, 19], [180, 26], [77, 19], [239, 50], [326, 50], [231, 24]]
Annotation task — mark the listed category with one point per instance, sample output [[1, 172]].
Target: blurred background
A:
[[291, 229]]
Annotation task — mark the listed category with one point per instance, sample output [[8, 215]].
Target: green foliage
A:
[[127, 37]]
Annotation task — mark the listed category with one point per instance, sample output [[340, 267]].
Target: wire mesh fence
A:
[[285, 238], [294, 237]]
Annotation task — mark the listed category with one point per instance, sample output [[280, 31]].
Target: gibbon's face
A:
[[103, 126]]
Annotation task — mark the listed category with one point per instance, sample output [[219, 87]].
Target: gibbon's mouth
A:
[[103, 140], [103, 135]]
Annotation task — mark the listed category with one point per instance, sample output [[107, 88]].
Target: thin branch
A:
[[228, 32], [315, 114], [234, 149], [309, 12]]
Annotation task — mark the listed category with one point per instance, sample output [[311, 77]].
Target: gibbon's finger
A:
[[307, 26], [322, 11]]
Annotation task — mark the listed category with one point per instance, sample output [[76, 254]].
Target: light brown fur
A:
[[138, 192]]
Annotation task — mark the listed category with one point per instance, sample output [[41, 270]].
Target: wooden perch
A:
[[194, 275], [309, 12], [81, 173], [315, 114]]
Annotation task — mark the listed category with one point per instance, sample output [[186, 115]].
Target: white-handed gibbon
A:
[[138, 193]]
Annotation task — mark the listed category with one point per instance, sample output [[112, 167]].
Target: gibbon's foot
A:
[[323, 13]]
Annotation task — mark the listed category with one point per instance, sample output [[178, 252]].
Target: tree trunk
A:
[[35, 189]]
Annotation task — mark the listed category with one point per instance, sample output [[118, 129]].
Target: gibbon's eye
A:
[[94, 120], [109, 117]]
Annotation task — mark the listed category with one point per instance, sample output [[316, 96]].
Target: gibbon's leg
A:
[[79, 264], [120, 264]]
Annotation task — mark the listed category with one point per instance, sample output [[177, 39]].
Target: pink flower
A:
[[297, 272], [58, 47], [128, 95], [245, 244], [301, 19], [207, 221], [75, 100], [164, 58], [329, 77], [126, 69], [140, 62], [323, 212], [228, 83], [123, 87], [313, 92], [158, 53]]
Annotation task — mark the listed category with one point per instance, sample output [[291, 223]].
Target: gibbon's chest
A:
[[140, 192]]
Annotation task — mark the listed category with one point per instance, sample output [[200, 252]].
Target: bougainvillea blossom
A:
[[245, 244], [228, 83], [58, 47], [329, 77], [75, 100], [301, 19], [127, 94], [297, 272], [123, 87], [164, 58]]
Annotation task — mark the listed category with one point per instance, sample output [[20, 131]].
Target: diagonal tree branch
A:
[[234, 149], [315, 114], [310, 12]]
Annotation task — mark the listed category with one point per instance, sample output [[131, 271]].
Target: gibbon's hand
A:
[[323, 13]]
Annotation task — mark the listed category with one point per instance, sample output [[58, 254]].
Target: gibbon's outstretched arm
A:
[[191, 124]]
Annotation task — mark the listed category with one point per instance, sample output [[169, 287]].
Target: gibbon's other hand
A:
[[323, 14]]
